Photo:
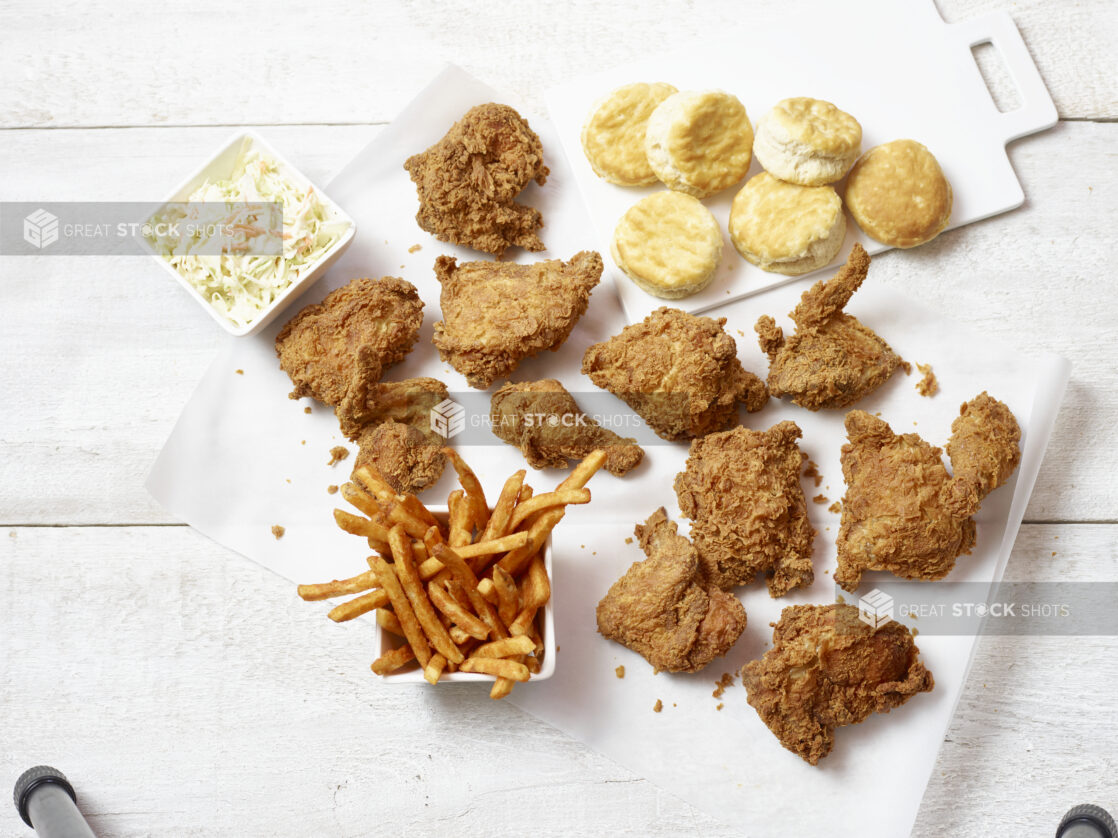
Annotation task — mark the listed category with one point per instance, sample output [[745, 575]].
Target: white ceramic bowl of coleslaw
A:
[[245, 293]]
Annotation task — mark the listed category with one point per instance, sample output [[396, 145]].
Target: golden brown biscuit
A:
[[785, 228], [898, 194], [613, 135], [807, 141], [669, 244], [699, 141]]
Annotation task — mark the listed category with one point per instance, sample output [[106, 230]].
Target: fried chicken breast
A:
[[318, 347], [832, 360], [741, 490], [902, 512], [679, 372], [664, 609], [496, 313], [544, 421], [827, 669], [468, 180]]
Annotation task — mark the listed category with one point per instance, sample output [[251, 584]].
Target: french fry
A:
[[502, 511], [533, 664], [362, 500], [501, 688], [434, 669], [518, 559], [504, 648], [339, 587], [547, 500], [472, 486], [356, 525], [397, 513], [507, 595], [468, 581], [460, 518], [526, 494], [416, 508], [430, 569], [389, 622], [501, 667], [408, 575], [358, 606], [402, 606], [497, 545], [373, 481], [585, 470], [390, 661], [459, 637], [447, 604], [535, 593], [487, 589]]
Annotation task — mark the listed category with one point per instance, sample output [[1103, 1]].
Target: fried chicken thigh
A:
[[496, 313], [741, 488], [318, 347], [664, 609], [679, 372], [545, 422], [832, 360], [468, 180], [827, 669], [902, 511]]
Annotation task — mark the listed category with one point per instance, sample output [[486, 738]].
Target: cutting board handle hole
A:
[[996, 75]]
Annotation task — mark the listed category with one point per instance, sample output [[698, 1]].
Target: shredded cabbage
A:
[[241, 285]]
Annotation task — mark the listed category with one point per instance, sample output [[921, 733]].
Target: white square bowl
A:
[[413, 674], [220, 166]]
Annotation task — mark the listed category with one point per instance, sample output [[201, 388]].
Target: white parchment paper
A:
[[244, 457]]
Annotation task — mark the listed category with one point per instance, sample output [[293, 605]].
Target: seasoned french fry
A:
[[358, 606], [533, 664], [416, 508], [404, 612], [497, 545], [389, 622], [501, 688], [508, 598], [526, 494], [469, 624], [518, 559], [586, 469], [434, 669], [472, 486], [539, 586], [459, 636], [393, 660], [504, 648], [430, 568], [397, 513], [468, 581], [488, 590], [361, 499], [339, 587], [356, 525], [460, 519], [545, 501], [373, 481], [501, 667], [408, 575], [430, 538], [502, 511]]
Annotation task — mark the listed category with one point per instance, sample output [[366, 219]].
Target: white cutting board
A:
[[893, 64]]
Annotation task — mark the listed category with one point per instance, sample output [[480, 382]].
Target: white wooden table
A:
[[187, 692]]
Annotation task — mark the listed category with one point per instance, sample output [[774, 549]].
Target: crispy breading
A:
[[664, 609], [407, 458], [741, 488], [495, 313], [984, 446], [544, 421], [318, 347], [468, 180], [680, 372], [832, 360], [827, 669]]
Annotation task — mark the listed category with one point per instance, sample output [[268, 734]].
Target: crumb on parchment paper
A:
[[928, 385], [719, 706], [907, 367], [812, 471], [307, 409], [619, 672], [629, 540], [240, 372], [415, 248], [331, 489], [658, 706], [835, 508], [337, 454], [278, 531], [820, 499], [727, 680]]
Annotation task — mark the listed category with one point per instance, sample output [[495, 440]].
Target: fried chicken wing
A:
[[902, 512], [318, 347], [679, 372], [827, 669], [741, 489], [544, 421], [664, 609], [495, 313], [832, 360], [468, 180]]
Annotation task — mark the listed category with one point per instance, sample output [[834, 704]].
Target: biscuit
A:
[[785, 228], [807, 141], [699, 141], [898, 194], [613, 135], [669, 244]]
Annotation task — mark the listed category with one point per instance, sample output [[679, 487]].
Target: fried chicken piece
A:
[[318, 347], [679, 372], [664, 609], [468, 180], [832, 360], [406, 457], [827, 669], [544, 421], [497, 313], [902, 512], [741, 489]]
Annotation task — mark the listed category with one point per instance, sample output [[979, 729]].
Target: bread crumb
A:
[[741, 333], [337, 454], [928, 385], [331, 490], [278, 531], [302, 442], [593, 552], [629, 540], [820, 499], [658, 706], [240, 372], [307, 409], [1053, 552], [288, 479], [907, 367], [812, 471], [835, 508], [557, 648], [727, 680], [415, 248], [718, 706], [619, 672]]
